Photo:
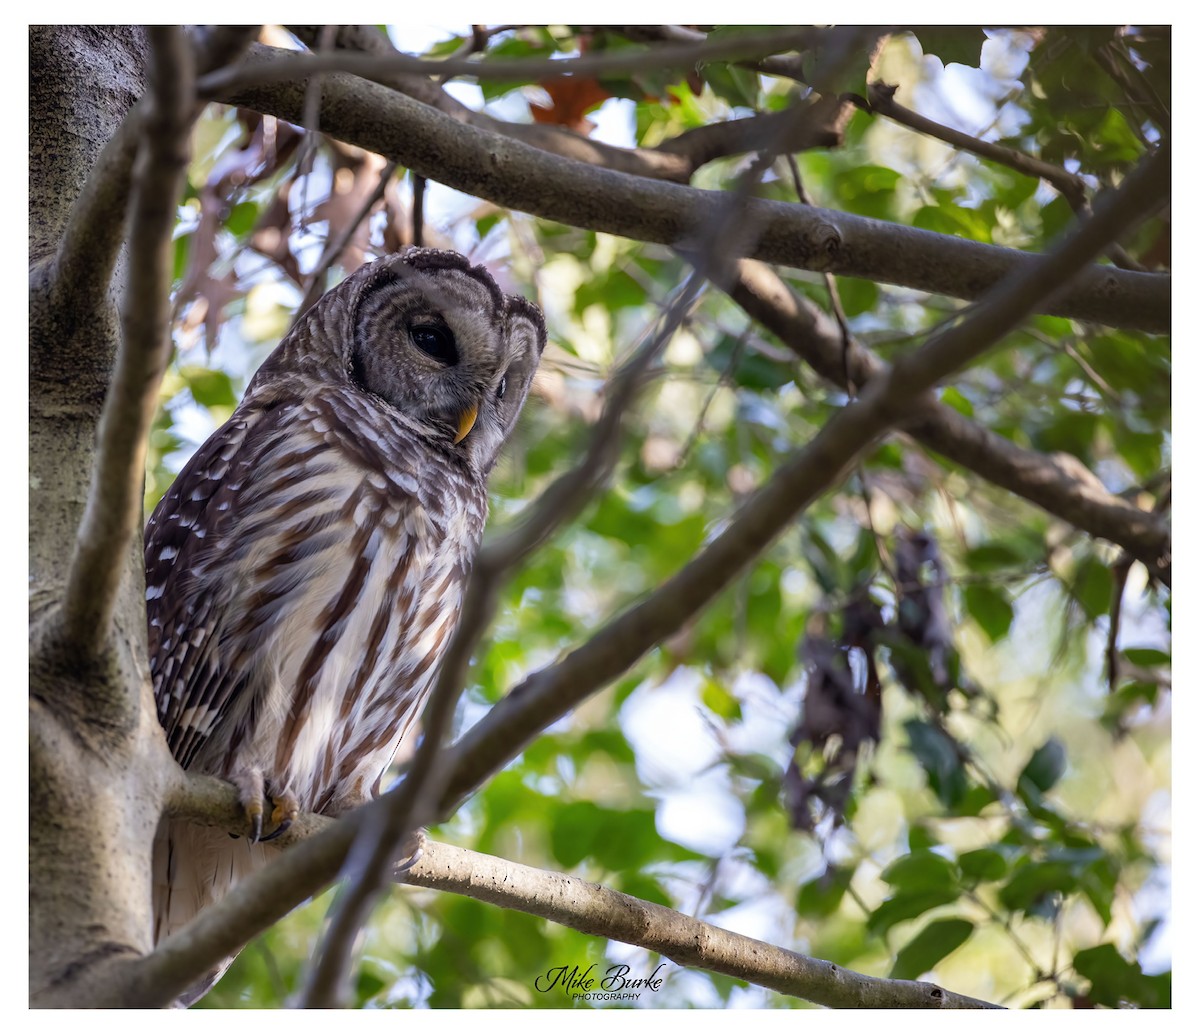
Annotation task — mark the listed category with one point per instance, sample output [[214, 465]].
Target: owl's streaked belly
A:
[[350, 656]]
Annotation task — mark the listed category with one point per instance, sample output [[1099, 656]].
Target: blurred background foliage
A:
[[903, 740]]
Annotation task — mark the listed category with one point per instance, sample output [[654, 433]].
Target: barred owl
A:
[[304, 571]]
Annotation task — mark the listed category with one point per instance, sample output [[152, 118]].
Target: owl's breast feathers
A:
[[304, 573]]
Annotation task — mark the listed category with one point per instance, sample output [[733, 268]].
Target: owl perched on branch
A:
[[304, 571]]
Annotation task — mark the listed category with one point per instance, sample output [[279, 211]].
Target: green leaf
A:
[[900, 907], [989, 606], [209, 387], [858, 296], [484, 224], [1030, 887], [1099, 883], [983, 864], [1145, 657], [921, 870], [952, 44], [1046, 766], [736, 86], [938, 756], [617, 290], [1004, 554], [1116, 980], [868, 190], [929, 947], [821, 897], [241, 218], [573, 832], [720, 701], [956, 400], [1092, 587]]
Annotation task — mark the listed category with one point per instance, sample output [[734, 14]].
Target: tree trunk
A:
[[98, 765]]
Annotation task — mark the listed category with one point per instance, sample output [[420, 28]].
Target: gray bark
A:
[[98, 765]]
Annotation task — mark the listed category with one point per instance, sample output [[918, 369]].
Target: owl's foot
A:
[[249, 783], [283, 814], [253, 797]]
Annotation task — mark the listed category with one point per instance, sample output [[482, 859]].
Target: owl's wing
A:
[[189, 530]]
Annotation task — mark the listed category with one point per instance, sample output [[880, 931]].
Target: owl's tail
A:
[[195, 866]]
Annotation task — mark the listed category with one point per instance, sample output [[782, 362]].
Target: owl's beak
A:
[[465, 422]]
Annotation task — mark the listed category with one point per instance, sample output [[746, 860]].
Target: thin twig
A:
[[881, 99], [334, 246], [114, 507], [418, 209], [370, 66], [311, 124], [835, 298]]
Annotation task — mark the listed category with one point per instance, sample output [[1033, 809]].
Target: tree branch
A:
[[372, 66], [515, 175], [559, 898], [545, 696], [114, 506], [881, 99], [220, 45], [558, 140], [82, 266], [334, 246], [1057, 486], [602, 912], [822, 126]]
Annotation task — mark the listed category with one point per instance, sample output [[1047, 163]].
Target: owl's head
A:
[[429, 335]]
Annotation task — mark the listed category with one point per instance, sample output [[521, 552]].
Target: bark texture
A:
[[98, 767]]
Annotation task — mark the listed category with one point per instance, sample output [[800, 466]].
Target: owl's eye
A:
[[436, 341], [500, 388]]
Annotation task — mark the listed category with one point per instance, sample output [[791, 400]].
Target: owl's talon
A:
[[283, 814], [414, 848], [249, 783]]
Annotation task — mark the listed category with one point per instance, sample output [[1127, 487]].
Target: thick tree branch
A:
[[602, 912], [1053, 483], [515, 175], [82, 266], [546, 695], [114, 507]]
